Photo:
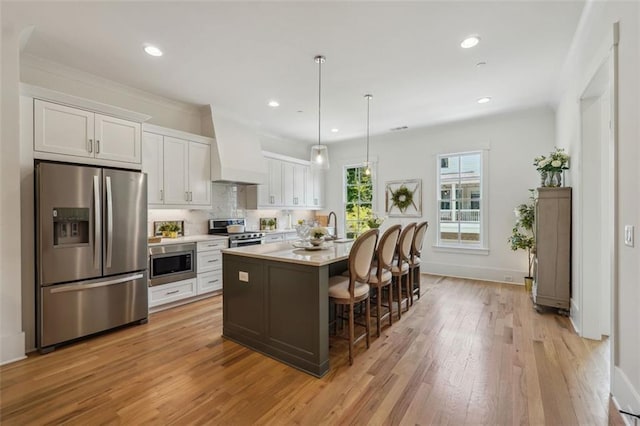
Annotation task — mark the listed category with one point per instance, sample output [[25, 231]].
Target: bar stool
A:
[[381, 273], [354, 288], [414, 261], [400, 268]]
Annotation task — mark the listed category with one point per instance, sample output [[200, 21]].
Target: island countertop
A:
[[285, 252]]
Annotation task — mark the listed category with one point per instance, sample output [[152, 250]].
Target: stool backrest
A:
[[418, 238], [360, 258], [387, 247], [405, 242]]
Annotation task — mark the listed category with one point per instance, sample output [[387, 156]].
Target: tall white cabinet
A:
[[178, 168], [60, 129]]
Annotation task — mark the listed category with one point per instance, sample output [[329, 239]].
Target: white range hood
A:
[[236, 155]]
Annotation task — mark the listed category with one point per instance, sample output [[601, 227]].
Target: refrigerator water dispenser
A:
[[70, 226]]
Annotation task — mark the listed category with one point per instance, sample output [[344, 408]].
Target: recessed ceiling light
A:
[[484, 100], [274, 104], [335, 130], [469, 42], [153, 50]]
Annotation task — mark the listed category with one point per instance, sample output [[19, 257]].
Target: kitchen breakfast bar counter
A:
[[275, 301]]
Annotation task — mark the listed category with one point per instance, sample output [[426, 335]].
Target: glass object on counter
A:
[[303, 229]]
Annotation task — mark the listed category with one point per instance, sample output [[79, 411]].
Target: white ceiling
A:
[[237, 56]]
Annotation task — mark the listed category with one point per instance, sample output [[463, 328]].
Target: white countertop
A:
[[285, 252], [188, 239]]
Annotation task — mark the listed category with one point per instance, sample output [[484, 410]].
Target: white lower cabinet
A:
[[273, 238], [209, 281], [209, 265], [172, 292]]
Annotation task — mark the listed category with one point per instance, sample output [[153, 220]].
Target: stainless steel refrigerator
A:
[[91, 250]]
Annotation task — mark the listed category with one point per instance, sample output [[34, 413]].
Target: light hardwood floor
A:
[[469, 352]]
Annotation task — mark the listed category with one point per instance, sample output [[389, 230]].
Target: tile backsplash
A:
[[228, 202]]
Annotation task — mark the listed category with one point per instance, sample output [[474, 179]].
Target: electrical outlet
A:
[[628, 235], [508, 278], [243, 276]]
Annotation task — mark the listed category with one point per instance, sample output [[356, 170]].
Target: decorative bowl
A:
[[316, 241]]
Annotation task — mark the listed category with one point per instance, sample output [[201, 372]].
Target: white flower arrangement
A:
[[318, 232]]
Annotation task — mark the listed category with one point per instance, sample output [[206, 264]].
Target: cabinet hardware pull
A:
[[97, 146], [172, 292], [90, 148], [186, 196], [190, 196], [211, 282], [214, 260], [161, 195]]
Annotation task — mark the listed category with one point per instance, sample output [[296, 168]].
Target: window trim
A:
[[483, 246]]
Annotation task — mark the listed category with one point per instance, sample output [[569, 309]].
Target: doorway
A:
[[597, 206]]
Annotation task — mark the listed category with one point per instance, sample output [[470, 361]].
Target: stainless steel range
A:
[[236, 239]]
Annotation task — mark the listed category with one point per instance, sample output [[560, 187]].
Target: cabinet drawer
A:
[[209, 261], [273, 238], [212, 245], [171, 292], [209, 281]]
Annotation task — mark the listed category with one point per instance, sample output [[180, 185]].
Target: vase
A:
[[555, 180], [543, 178], [528, 284], [316, 241]]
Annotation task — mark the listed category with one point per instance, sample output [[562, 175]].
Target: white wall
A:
[[291, 148], [11, 335], [512, 140], [590, 47]]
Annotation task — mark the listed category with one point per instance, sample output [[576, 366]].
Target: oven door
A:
[[171, 263], [243, 243]]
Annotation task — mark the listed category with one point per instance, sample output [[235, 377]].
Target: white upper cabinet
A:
[[291, 184], [117, 139], [153, 165], [178, 170], [63, 130], [315, 188], [199, 174], [60, 129], [275, 189]]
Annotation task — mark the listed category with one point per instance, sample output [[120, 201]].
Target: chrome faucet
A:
[[335, 224]]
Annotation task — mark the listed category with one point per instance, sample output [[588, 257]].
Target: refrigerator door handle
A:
[[77, 287], [96, 221], [109, 221]]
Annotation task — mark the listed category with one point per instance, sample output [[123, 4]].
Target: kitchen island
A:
[[275, 301]]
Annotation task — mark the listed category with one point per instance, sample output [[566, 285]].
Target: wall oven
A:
[[173, 262]]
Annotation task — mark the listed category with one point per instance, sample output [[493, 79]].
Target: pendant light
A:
[[367, 164], [319, 152]]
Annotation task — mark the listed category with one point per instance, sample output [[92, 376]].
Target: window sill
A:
[[461, 250]]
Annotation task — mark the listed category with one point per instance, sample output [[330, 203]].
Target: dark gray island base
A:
[[276, 302]]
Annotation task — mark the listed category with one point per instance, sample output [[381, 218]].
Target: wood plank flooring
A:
[[468, 352]]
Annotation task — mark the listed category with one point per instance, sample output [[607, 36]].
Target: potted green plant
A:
[[522, 237], [374, 221]]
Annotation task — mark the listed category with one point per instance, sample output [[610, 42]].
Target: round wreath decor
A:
[[402, 198]]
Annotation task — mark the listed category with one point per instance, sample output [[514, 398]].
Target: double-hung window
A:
[[358, 203], [461, 207]]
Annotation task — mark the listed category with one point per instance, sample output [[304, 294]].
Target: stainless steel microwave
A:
[[172, 262]]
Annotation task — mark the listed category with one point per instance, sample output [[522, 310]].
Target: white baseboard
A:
[[11, 348], [625, 396], [474, 272]]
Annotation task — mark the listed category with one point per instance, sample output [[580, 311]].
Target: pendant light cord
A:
[[320, 59], [368, 100]]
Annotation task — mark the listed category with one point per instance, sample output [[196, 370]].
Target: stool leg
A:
[[399, 286], [368, 320], [351, 334], [390, 298], [379, 306]]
